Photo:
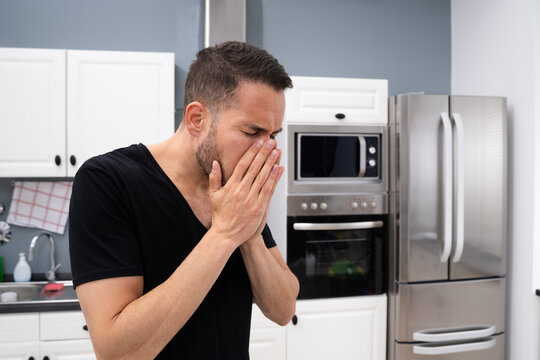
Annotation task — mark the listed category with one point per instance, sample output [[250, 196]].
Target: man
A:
[[168, 242]]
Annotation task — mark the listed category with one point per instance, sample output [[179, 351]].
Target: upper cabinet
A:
[[350, 101], [60, 107]]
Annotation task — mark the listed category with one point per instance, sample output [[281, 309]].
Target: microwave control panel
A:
[[372, 156]]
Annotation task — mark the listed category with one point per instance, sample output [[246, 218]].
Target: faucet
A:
[[50, 274]]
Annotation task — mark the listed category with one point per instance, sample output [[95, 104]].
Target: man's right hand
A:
[[239, 206]]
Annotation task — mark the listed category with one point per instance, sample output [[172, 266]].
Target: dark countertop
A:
[[39, 300]]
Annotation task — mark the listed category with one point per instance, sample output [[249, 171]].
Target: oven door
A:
[[335, 256]]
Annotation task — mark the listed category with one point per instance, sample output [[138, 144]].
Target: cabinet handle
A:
[[57, 160], [85, 327], [294, 319], [31, 358], [45, 358], [340, 116], [72, 159]]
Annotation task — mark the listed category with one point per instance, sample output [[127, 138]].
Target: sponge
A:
[[54, 287]]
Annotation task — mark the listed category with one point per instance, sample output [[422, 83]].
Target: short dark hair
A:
[[217, 71]]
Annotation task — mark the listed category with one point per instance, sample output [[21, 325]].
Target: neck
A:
[[176, 157]]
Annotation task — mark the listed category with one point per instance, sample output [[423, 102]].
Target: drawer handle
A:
[[295, 319], [85, 327], [340, 116], [45, 358], [57, 160], [31, 358]]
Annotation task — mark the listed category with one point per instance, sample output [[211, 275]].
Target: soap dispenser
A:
[[22, 271]]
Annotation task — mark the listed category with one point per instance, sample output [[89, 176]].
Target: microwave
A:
[[336, 158]]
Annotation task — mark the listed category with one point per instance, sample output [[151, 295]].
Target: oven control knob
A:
[[372, 162], [372, 150], [314, 206], [303, 206], [373, 204], [323, 206], [363, 205], [354, 205]]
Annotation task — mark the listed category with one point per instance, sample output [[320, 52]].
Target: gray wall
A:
[[404, 41]]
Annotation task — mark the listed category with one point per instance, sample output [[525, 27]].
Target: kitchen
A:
[[436, 47]]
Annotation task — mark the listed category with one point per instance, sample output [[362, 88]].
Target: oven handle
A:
[[338, 226]]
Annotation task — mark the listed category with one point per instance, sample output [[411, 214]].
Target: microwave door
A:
[[425, 203]]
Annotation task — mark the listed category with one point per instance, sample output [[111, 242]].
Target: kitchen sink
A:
[[24, 292], [35, 292]]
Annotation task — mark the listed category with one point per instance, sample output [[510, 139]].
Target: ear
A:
[[196, 118]]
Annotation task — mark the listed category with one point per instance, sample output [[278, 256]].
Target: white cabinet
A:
[[341, 328], [53, 335], [32, 111], [60, 107], [268, 340], [351, 101]]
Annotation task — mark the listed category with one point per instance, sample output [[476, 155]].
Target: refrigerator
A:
[[448, 227]]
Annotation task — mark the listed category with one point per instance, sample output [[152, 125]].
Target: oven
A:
[[337, 209], [338, 255]]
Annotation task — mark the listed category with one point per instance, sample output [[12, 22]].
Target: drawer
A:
[[19, 328], [63, 325]]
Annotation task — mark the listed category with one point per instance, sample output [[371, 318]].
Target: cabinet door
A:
[[267, 340], [67, 350], [32, 112], [343, 328], [19, 351], [116, 99], [62, 325], [347, 101]]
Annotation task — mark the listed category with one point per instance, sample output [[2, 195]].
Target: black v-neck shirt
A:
[[127, 218]]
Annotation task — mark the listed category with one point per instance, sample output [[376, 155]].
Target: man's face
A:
[[257, 114]]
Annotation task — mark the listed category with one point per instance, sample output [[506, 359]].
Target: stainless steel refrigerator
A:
[[448, 202]]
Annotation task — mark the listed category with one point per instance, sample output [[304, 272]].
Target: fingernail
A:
[[273, 154], [213, 166], [270, 144], [258, 144], [274, 169]]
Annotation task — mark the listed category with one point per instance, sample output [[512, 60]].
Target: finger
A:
[[260, 160], [263, 174], [214, 178], [245, 161], [267, 189]]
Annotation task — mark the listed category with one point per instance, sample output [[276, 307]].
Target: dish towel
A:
[[43, 205]]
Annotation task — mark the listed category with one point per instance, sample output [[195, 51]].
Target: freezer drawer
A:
[[482, 349], [456, 306]]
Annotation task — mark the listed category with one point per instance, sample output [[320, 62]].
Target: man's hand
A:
[[240, 206]]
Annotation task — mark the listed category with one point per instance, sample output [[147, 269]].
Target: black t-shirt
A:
[[127, 218]]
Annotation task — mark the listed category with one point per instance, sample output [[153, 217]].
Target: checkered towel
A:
[[42, 205]]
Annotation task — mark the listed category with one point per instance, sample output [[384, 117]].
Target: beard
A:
[[207, 152]]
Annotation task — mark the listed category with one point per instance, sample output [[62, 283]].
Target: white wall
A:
[[493, 53]]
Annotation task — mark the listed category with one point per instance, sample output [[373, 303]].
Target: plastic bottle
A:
[[22, 271]]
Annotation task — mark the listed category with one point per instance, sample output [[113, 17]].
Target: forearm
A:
[[274, 287], [145, 326]]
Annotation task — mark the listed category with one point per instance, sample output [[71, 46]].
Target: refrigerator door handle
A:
[[470, 333], [451, 349], [447, 187], [459, 182]]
